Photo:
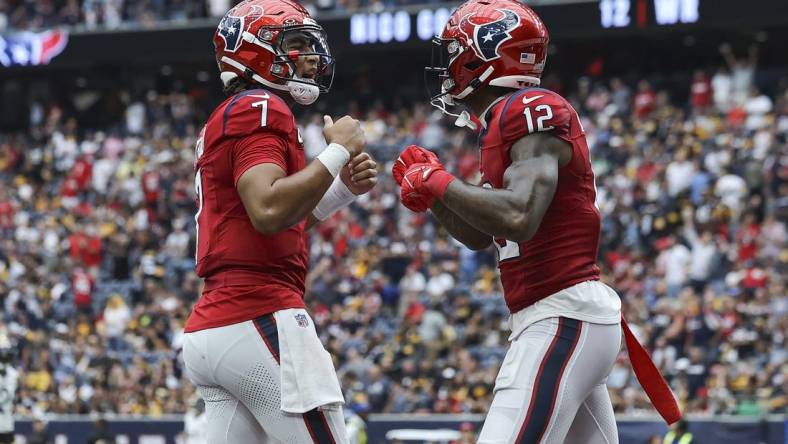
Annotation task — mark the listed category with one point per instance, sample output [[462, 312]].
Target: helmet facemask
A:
[[277, 44], [292, 43], [289, 43], [440, 84], [500, 43]]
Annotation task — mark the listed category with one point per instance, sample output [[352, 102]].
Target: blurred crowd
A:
[[97, 241], [112, 14]]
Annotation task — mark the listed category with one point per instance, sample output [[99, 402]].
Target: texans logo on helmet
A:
[[231, 27], [488, 37], [230, 30]]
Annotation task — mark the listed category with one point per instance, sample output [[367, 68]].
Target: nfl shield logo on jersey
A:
[[302, 320]]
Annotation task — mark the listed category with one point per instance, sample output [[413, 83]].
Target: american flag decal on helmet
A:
[[527, 57]]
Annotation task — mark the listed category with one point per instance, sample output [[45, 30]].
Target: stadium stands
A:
[[113, 14], [97, 231]]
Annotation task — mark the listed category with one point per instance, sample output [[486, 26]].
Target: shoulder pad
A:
[[530, 111], [256, 110]]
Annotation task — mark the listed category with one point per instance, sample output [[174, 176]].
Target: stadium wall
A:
[[373, 45], [408, 28], [75, 429]]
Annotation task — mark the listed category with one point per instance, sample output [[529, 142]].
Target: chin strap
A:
[[303, 93], [463, 119]]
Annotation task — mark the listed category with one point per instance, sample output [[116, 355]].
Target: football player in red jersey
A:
[[536, 204], [250, 347]]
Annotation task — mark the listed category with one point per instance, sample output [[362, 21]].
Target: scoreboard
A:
[[622, 13], [576, 18], [403, 30]]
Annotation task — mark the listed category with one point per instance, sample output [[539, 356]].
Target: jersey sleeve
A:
[[533, 111], [255, 149], [256, 111]]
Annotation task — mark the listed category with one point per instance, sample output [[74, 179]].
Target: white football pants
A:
[[551, 386], [236, 371]]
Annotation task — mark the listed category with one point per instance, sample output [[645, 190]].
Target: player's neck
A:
[[284, 95], [479, 101]]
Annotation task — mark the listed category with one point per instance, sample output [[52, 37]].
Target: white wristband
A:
[[334, 157], [337, 196]]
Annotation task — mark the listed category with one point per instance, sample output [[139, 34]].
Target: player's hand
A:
[[410, 155], [416, 193], [346, 132], [417, 202], [360, 175]]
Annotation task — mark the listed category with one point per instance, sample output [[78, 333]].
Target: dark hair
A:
[[237, 85]]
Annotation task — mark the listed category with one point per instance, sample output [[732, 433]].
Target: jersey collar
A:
[[483, 117]]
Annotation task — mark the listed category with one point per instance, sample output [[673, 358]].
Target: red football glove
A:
[[422, 183], [410, 155], [417, 202]]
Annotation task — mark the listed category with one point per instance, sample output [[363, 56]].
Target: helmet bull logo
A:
[[488, 37]]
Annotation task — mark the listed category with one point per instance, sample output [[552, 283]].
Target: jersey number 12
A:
[[540, 119]]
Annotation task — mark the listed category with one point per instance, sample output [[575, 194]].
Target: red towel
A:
[[647, 373]]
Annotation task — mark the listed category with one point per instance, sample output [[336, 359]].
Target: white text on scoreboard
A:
[[385, 27], [619, 13]]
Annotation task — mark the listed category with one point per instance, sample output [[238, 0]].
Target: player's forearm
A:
[[499, 213], [459, 229], [294, 197], [311, 221]]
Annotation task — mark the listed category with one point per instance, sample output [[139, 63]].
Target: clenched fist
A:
[[412, 154], [361, 174], [346, 132]]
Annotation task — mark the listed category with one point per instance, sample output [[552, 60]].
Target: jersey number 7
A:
[[263, 105]]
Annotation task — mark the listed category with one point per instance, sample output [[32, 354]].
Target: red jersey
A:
[[644, 103], [151, 186], [82, 173], [247, 274], [82, 284], [747, 238], [85, 249], [563, 251], [701, 92], [7, 212]]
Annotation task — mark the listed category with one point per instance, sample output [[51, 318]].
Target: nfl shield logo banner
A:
[[31, 48]]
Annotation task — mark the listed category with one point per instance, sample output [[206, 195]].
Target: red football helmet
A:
[[488, 42], [261, 40]]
